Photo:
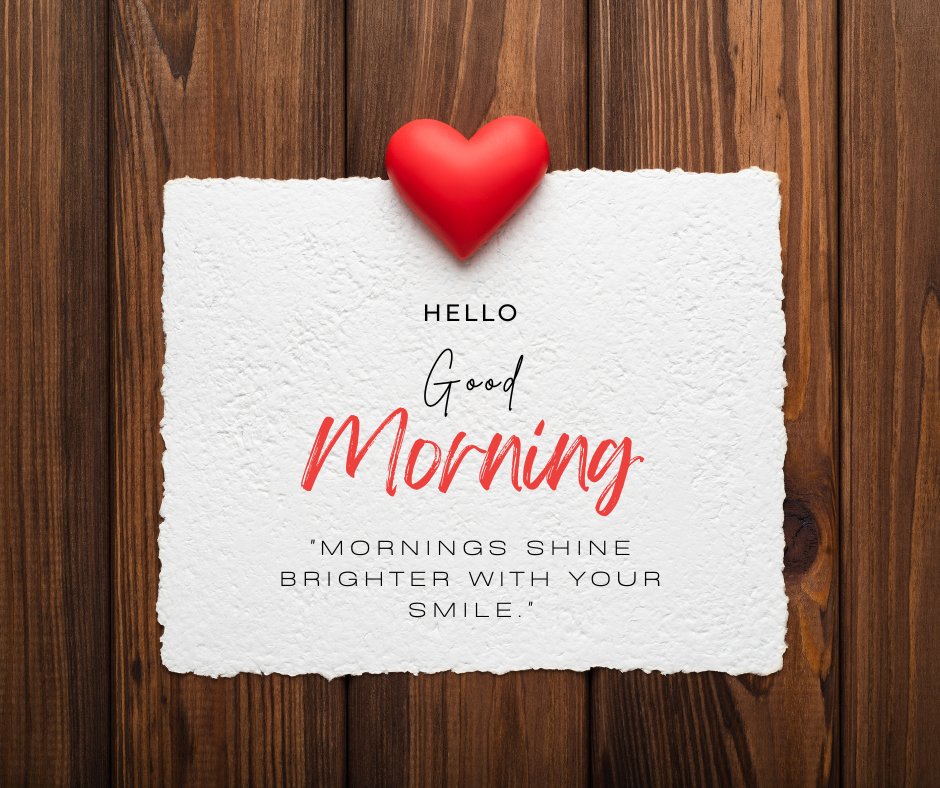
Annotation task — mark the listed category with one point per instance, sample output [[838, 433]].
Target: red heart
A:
[[465, 189]]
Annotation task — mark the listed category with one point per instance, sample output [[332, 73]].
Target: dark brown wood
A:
[[523, 728], [54, 538], [891, 391], [466, 63], [211, 88], [722, 86], [203, 89]]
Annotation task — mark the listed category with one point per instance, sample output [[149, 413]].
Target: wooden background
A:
[[102, 102]]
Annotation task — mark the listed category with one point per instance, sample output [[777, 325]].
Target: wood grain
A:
[[891, 391], [203, 89], [722, 86], [466, 63], [209, 88], [54, 537]]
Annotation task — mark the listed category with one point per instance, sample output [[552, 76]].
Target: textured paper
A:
[[648, 305]]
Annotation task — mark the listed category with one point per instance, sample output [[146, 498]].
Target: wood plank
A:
[[204, 88], [54, 540], [890, 391], [465, 63], [721, 86]]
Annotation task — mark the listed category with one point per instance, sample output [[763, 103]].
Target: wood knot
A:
[[801, 534], [136, 672]]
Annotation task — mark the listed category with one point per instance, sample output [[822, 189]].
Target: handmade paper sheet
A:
[[613, 497]]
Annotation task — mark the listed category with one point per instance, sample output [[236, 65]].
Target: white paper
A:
[[648, 306]]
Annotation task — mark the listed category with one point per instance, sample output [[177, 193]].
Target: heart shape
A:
[[464, 190]]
